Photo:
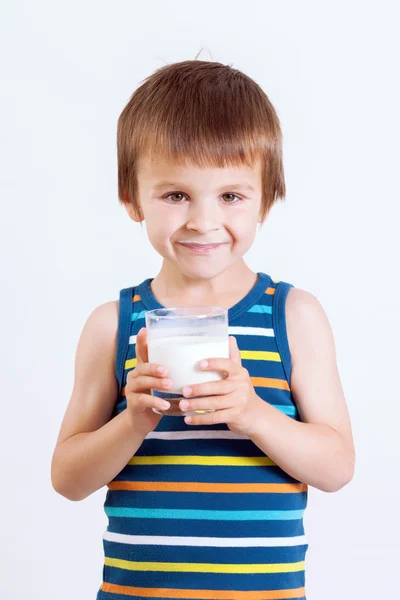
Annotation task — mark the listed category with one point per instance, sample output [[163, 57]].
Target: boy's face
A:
[[200, 220]]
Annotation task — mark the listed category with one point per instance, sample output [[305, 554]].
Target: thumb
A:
[[142, 354], [234, 352]]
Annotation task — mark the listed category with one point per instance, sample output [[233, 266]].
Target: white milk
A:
[[181, 356]]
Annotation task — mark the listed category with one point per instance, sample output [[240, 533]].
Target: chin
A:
[[200, 272]]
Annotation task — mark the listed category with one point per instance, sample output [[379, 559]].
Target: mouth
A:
[[201, 248]]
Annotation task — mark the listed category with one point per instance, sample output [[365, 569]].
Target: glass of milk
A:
[[178, 339]]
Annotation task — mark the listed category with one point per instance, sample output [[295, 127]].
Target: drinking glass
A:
[[178, 339]]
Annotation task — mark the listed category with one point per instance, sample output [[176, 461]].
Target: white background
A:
[[67, 71]]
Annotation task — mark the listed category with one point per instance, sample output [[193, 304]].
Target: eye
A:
[[232, 200], [168, 197]]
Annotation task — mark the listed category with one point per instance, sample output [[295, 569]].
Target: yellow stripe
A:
[[245, 354], [130, 364], [228, 461], [258, 355], [204, 567]]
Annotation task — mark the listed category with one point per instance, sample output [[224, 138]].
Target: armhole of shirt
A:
[[124, 330], [279, 324]]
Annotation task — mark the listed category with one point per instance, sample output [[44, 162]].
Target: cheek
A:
[[243, 226], [161, 224]]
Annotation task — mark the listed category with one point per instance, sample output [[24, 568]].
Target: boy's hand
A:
[[234, 398], [140, 381]]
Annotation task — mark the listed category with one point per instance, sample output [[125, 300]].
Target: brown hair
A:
[[206, 113]]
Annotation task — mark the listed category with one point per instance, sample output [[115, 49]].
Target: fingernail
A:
[[187, 391], [184, 404], [204, 364], [160, 369], [165, 382]]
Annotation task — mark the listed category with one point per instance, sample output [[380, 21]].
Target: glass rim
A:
[[208, 311]]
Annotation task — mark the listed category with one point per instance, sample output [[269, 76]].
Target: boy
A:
[[209, 506]]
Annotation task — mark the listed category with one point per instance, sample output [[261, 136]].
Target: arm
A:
[[320, 450], [91, 450]]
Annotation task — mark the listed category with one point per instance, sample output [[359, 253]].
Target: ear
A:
[[134, 212]]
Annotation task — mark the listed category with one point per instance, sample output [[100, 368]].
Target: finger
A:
[[214, 418], [210, 403], [143, 383], [149, 369], [144, 401], [225, 365], [141, 346], [234, 352], [210, 388]]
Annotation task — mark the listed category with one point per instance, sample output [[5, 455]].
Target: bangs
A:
[[187, 143]]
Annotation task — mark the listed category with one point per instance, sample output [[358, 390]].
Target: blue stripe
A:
[[288, 410], [205, 554], [209, 501], [254, 319], [206, 447], [261, 308], [207, 515], [138, 315], [264, 368], [264, 528], [200, 447]]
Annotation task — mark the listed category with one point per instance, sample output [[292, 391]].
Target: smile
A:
[[201, 248]]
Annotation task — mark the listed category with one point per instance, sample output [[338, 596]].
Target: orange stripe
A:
[[280, 384], [270, 291], [136, 298], [126, 590], [194, 486]]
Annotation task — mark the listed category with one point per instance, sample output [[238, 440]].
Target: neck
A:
[[171, 285]]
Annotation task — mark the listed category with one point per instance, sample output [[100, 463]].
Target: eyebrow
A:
[[172, 184]]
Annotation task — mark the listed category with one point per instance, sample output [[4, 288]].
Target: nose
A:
[[203, 218]]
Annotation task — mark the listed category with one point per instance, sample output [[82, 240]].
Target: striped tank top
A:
[[200, 512]]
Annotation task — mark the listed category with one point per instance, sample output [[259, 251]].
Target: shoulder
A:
[[307, 324], [98, 341], [302, 300], [106, 315], [102, 323]]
